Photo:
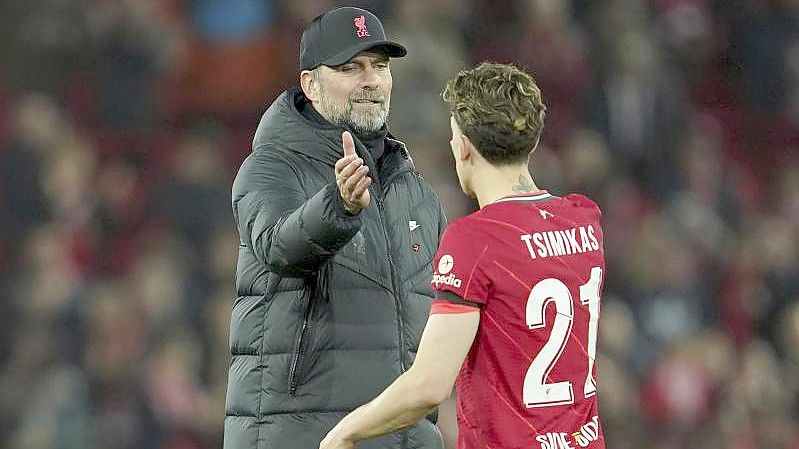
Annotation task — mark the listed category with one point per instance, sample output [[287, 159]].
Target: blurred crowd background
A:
[[123, 122]]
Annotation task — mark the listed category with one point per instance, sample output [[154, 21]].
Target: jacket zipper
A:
[[395, 291], [295, 359], [394, 285]]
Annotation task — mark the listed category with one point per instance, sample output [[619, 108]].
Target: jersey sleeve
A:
[[443, 306], [459, 271], [590, 208]]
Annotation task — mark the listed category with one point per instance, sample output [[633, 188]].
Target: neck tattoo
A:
[[524, 185]]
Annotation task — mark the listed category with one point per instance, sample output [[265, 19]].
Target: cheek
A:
[[388, 82], [339, 92], [341, 95]]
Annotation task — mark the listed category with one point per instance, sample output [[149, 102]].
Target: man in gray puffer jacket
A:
[[337, 235]]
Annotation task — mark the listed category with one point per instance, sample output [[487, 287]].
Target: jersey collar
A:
[[531, 197]]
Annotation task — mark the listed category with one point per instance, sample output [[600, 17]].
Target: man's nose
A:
[[370, 78]]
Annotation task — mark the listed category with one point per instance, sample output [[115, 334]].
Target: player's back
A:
[[535, 266]]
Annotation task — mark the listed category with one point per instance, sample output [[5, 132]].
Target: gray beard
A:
[[362, 122]]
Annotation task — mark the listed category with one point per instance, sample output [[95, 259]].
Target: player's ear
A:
[[467, 149], [310, 85]]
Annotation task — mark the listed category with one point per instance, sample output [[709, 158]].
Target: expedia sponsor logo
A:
[[449, 279], [446, 264]]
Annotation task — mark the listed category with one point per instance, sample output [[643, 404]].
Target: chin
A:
[[370, 123]]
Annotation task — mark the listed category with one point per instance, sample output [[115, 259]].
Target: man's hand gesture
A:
[[351, 179]]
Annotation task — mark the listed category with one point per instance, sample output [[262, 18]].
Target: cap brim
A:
[[395, 50]]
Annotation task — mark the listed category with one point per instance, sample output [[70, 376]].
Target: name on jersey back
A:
[[561, 242]]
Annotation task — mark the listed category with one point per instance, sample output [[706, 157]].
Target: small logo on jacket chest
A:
[[358, 243]]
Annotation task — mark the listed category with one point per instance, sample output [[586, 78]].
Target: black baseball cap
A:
[[336, 36]]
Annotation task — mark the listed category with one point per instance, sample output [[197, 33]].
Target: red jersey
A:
[[534, 264]]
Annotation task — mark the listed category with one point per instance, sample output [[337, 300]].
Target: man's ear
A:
[[467, 152], [309, 85]]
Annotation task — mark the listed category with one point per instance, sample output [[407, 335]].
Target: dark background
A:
[[122, 124]]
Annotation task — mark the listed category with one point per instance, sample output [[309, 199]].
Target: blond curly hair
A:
[[499, 108]]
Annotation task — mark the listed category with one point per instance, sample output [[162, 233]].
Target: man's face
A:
[[456, 144], [357, 93]]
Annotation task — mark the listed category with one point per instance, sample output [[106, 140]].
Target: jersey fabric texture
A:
[[533, 264]]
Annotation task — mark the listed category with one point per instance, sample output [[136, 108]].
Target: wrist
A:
[[344, 432], [341, 205], [351, 209]]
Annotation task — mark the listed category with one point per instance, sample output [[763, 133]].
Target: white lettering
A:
[[571, 236], [561, 242], [546, 240], [588, 432], [526, 238], [578, 438], [585, 240], [594, 243], [554, 440], [446, 280], [565, 442], [543, 440], [539, 242], [557, 243], [564, 237]]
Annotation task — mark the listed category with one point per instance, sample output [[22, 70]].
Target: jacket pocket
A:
[[315, 290], [299, 352]]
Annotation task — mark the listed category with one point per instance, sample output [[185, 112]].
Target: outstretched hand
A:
[[351, 177]]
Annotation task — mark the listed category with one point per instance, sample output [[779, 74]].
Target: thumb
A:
[[347, 143]]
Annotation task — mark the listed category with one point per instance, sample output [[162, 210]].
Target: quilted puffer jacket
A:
[[330, 306]]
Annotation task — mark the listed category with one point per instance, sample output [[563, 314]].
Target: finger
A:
[[361, 187], [347, 143], [352, 180], [341, 163], [351, 168]]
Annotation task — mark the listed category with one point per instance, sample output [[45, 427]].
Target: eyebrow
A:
[[373, 59]]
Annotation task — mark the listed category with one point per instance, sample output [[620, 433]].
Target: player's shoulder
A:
[[463, 226], [582, 204], [473, 228]]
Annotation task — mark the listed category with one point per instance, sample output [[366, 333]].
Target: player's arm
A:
[[447, 422], [445, 342]]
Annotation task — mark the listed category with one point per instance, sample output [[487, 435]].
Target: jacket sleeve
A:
[[287, 232]]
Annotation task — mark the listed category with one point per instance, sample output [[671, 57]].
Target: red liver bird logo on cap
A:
[[360, 26]]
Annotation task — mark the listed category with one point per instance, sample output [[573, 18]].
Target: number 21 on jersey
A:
[[537, 392]]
